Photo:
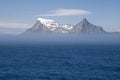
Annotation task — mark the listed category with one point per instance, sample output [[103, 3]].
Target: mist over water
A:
[[61, 39]]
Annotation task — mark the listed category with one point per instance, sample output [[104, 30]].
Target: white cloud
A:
[[67, 12], [13, 25], [13, 28]]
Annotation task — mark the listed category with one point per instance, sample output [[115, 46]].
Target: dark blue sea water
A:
[[59, 62]]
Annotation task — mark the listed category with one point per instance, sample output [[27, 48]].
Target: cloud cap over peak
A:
[[67, 12]]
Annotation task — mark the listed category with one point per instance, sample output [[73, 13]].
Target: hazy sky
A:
[[18, 15]]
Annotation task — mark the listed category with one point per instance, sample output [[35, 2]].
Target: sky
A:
[[16, 16]]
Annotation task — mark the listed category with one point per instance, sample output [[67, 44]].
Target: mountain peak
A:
[[51, 26], [47, 22], [84, 21], [86, 27], [44, 20]]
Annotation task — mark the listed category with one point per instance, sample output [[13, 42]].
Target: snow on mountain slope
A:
[[51, 26], [47, 25]]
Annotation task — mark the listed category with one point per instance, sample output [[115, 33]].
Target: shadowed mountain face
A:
[[85, 27], [50, 26]]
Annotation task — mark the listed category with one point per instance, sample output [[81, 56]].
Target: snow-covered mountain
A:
[[51, 26]]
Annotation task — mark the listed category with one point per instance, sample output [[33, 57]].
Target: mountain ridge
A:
[[51, 26]]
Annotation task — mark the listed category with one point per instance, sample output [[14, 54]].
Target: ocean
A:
[[60, 62]]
